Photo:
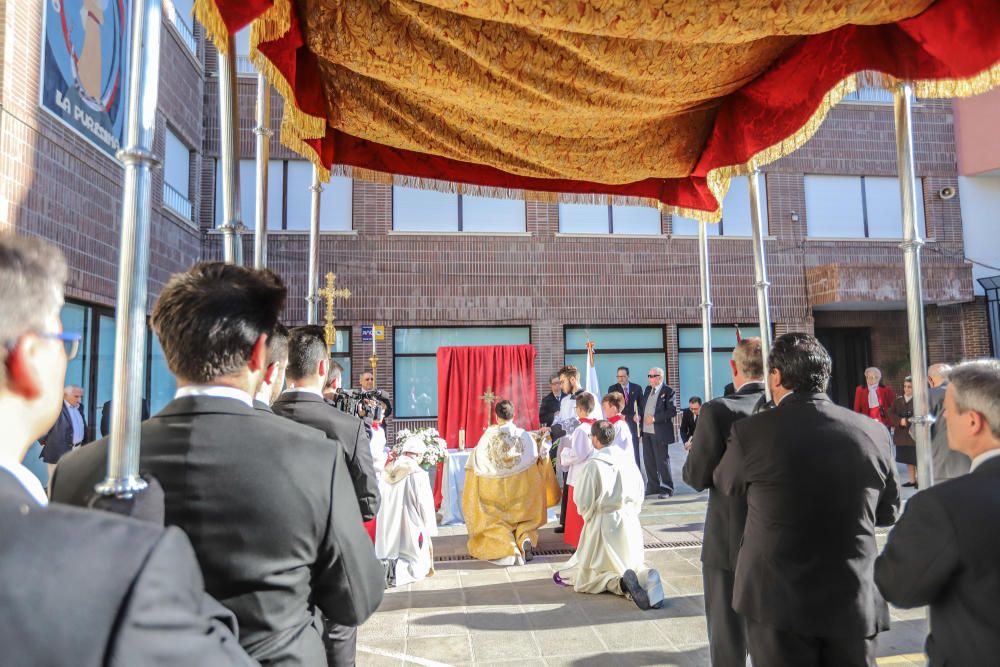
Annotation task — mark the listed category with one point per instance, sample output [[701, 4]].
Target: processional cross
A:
[[330, 293], [489, 398]]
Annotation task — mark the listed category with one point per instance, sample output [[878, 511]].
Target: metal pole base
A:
[[123, 488]]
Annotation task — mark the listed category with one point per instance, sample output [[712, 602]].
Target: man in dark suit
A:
[[129, 592], [689, 418], [818, 479], [267, 503], [303, 402], [726, 515], [633, 395], [549, 407], [273, 379], [657, 412], [106, 416], [945, 550], [946, 463], [69, 431]]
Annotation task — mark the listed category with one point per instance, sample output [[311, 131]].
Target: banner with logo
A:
[[85, 52]]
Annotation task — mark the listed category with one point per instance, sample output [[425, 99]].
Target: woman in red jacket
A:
[[874, 399]]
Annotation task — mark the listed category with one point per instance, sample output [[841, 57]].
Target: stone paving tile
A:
[[384, 626], [438, 623], [557, 642], [368, 656], [492, 646], [421, 600], [449, 650], [684, 632]]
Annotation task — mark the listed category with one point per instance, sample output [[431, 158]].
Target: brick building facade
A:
[[848, 290]]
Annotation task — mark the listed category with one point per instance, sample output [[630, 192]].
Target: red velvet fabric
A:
[[951, 39], [574, 522], [464, 374]]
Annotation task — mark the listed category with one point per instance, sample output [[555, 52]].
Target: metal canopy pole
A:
[[706, 306], [229, 124], [312, 298], [912, 244], [263, 132], [760, 272], [133, 258]]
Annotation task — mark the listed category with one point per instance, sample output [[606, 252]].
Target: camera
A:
[[350, 400]]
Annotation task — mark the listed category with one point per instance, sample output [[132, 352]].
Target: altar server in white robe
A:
[[612, 405], [573, 453], [565, 422], [610, 558], [406, 521]]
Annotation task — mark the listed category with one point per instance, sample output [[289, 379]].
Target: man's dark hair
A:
[[804, 363], [306, 348], [277, 345], [585, 401], [694, 399], [603, 431], [504, 410], [624, 368], [570, 372], [32, 277], [209, 317]]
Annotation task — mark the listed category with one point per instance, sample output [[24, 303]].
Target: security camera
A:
[[947, 192]]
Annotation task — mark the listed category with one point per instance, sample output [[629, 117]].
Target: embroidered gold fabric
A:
[[504, 450], [500, 513]]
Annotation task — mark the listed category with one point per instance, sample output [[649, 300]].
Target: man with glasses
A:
[[70, 429], [549, 408], [632, 393], [657, 414], [134, 588]]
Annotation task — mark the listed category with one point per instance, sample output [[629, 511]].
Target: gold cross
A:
[[489, 398], [329, 293]]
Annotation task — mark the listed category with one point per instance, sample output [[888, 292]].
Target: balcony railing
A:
[[177, 202], [183, 29], [245, 66]]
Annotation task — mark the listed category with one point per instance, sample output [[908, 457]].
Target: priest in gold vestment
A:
[[504, 497]]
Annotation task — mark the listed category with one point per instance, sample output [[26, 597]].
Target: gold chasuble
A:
[[504, 497]]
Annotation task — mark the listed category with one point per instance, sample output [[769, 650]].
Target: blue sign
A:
[[367, 335], [85, 53]]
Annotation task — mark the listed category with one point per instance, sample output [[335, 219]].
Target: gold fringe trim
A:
[[297, 126]]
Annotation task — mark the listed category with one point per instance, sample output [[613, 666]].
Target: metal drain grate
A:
[[566, 551]]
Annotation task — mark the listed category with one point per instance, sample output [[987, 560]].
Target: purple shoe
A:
[[559, 580]]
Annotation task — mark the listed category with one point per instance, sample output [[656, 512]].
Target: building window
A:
[[160, 382], [736, 220], [416, 210], [341, 353], [177, 176], [244, 66], [415, 362], [608, 219], [180, 14], [691, 361], [857, 207], [638, 348], [289, 199]]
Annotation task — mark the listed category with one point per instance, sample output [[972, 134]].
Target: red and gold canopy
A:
[[642, 101]]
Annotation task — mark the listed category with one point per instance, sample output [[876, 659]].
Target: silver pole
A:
[[912, 243], [311, 306], [229, 124], [263, 132], [133, 257], [706, 306], [760, 271]]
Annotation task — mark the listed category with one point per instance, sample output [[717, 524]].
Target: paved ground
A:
[[474, 613]]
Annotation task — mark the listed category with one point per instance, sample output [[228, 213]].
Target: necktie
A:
[[625, 387]]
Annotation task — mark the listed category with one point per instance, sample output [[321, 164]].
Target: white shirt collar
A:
[[215, 390], [304, 390], [779, 401], [983, 458], [28, 480]]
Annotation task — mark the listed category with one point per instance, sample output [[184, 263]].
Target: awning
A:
[[588, 100]]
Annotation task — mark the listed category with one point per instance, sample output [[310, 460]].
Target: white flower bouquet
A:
[[435, 446]]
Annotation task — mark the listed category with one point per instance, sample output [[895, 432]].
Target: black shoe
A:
[[633, 591], [528, 551], [662, 496], [560, 529], [913, 484]]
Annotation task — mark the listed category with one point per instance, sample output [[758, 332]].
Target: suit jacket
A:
[[947, 463], [262, 406], [347, 432], [726, 515], [635, 393], [663, 416], [548, 409], [818, 478], [688, 422], [269, 508], [106, 416], [59, 440], [945, 552], [129, 592]]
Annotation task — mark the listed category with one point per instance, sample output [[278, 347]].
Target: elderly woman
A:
[[899, 415], [874, 399]]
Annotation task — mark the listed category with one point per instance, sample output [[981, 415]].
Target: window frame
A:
[[611, 224], [411, 355], [715, 349], [866, 226], [461, 215], [616, 350]]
